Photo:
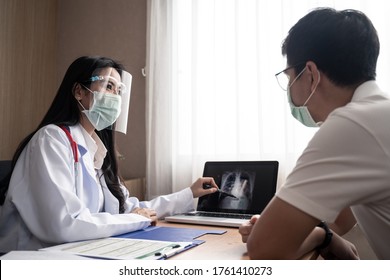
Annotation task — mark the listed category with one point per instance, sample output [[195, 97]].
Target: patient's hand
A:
[[198, 190], [148, 213], [340, 249], [246, 228]]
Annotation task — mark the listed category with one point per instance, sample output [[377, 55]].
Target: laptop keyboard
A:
[[221, 215]]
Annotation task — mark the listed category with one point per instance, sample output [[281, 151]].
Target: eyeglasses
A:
[[284, 80], [109, 84]]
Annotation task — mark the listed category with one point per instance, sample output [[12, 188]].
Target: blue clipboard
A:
[[171, 234]]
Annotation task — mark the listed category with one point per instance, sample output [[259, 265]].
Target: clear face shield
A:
[[112, 83]]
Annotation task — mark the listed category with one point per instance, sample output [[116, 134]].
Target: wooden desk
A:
[[227, 246]]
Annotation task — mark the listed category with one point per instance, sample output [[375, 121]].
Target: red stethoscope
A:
[[73, 144], [75, 151]]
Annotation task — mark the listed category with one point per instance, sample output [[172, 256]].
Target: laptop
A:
[[246, 187]]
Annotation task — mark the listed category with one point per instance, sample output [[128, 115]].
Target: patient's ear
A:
[[315, 74]]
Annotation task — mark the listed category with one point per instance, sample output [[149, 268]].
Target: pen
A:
[[207, 186], [168, 254]]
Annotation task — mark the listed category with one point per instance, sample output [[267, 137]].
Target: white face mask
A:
[[104, 110], [301, 113]]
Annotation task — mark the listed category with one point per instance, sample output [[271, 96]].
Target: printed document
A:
[[122, 248]]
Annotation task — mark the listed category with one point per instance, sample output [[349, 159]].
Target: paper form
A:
[[122, 248]]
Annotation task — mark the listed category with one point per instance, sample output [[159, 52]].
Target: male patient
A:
[[343, 175]]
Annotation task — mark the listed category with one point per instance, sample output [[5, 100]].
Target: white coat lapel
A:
[[111, 203], [88, 187]]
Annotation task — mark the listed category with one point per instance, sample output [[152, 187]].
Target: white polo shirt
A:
[[347, 163]]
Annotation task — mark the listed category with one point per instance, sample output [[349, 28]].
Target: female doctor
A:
[[65, 184]]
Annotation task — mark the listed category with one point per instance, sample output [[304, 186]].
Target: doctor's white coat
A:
[[50, 201]]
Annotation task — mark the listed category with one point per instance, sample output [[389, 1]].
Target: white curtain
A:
[[211, 90]]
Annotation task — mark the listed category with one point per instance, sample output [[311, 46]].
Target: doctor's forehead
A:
[[108, 71]]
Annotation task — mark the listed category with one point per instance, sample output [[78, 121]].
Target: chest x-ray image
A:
[[240, 184]]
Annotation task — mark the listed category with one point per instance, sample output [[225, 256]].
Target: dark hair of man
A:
[[343, 44], [64, 110]]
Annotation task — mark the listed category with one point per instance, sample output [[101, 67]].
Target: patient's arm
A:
[[285, 232], [345, 222]]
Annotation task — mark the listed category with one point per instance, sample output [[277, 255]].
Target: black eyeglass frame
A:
[[284, 70]]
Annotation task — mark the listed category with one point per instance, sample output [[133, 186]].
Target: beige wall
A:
[[39, 40], [28, 55]]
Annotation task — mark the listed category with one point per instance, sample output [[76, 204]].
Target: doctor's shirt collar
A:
[[95, 147]]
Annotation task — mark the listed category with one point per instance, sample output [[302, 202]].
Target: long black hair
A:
[[64, 110]]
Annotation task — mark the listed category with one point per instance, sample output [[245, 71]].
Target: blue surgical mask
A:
[[104, 110], [301, 113]]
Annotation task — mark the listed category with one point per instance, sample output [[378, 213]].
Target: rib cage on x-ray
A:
[[240, 184]]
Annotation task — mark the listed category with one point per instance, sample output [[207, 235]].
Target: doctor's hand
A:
[[246, 228], [197, 187], [147, 213]]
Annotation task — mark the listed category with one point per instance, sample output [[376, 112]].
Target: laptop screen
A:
[[252, 183]]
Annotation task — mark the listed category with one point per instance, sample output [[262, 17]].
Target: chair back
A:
[[5, 167]]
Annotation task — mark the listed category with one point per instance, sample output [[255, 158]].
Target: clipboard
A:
[[152, 243], [121, 248], [172, 234]]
